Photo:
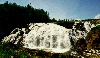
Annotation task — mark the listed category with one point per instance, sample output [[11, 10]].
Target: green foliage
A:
[[62, 56], [53, 20], [6, 51], [80, 27], [66, 24], [97, 28]]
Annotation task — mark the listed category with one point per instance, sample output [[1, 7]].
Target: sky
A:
[[64, 9]]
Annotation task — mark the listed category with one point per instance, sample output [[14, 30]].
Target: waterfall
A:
[[49, 37]]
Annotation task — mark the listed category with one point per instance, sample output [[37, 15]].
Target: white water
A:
[[49, 37]]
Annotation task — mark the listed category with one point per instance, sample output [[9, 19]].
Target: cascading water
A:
[[48, 37]]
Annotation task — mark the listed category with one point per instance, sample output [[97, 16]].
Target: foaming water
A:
[[48, 37]]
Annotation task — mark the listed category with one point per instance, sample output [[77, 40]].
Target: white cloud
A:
[[78, 19], [97, 16]]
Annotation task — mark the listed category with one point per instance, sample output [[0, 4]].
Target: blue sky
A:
[[65, 9]]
